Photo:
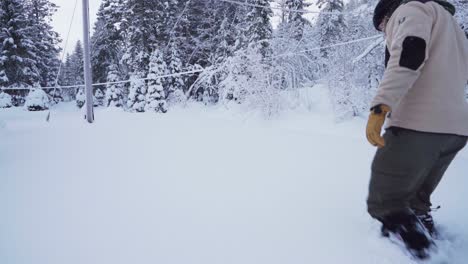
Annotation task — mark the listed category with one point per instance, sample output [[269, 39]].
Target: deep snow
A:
[[199, 185]]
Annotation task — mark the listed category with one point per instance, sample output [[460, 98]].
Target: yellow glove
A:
[[375, 123]]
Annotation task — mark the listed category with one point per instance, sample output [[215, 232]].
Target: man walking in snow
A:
[[422, 96]]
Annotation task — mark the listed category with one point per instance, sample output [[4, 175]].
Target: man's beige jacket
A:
[[432, 97]]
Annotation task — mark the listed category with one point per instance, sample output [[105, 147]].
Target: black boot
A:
[[407, 227], [428, 222]]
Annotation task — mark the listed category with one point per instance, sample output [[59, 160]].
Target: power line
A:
[[66, 43], [200, 70], [284, 9], [63, 55], [106, 83], [330, 46]]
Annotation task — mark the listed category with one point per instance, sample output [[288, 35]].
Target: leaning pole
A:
[[87, 64]]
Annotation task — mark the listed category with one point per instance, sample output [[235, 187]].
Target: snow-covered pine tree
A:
[[198, 40], [228, 36], [18, 52], [177, 26], [144, 31], [107, 39], [204, 19], [174, 66], [137, 93], [76, 65], [66, 79], [226, 33], [257, 29], [3, 24], [197, 24], [252, 32], [295, 20], [73, 71], [46, 40], [462, 13], [114, 96], [176, 50], [156, 96], [65, 72], [330, 27]]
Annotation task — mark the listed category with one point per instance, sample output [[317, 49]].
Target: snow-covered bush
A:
[[37, 100], [354, 71], [296, 61], [80, 98], [5, 100], [176, 98], [98, 98], [18, 99], [246, 78]]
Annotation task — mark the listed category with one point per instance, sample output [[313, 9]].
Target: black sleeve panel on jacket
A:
[[387, 56], [413, 53]]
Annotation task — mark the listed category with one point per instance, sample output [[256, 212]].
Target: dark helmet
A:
[[384, 8]]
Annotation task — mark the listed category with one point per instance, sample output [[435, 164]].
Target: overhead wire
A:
[[201, 70], [331, 46], [117, 82], [66, 44], [59, 71]]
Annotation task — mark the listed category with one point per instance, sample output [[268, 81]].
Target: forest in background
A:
[[237, 52]]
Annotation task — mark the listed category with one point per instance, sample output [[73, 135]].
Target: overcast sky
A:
[[61, 20]]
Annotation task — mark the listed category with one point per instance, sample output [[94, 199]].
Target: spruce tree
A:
[[144, 32], [462, 14], [174, 66], [225, 47], [204, 21], [114, 95], [258, 30], [76, 65], [227, 16], [295, 20], [18, 52], [46, 40], [136, 98], [156, 96], [66, 79], [331, 27], [107, 39], [65, 73]]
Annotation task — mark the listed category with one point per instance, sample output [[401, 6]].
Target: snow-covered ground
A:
[[199, 185]]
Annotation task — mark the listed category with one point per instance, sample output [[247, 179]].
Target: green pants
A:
[[408, 169]]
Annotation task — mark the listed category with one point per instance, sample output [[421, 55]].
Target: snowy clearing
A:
[[198, 185]]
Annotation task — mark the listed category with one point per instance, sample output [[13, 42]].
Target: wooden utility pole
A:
[[87, 64]]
